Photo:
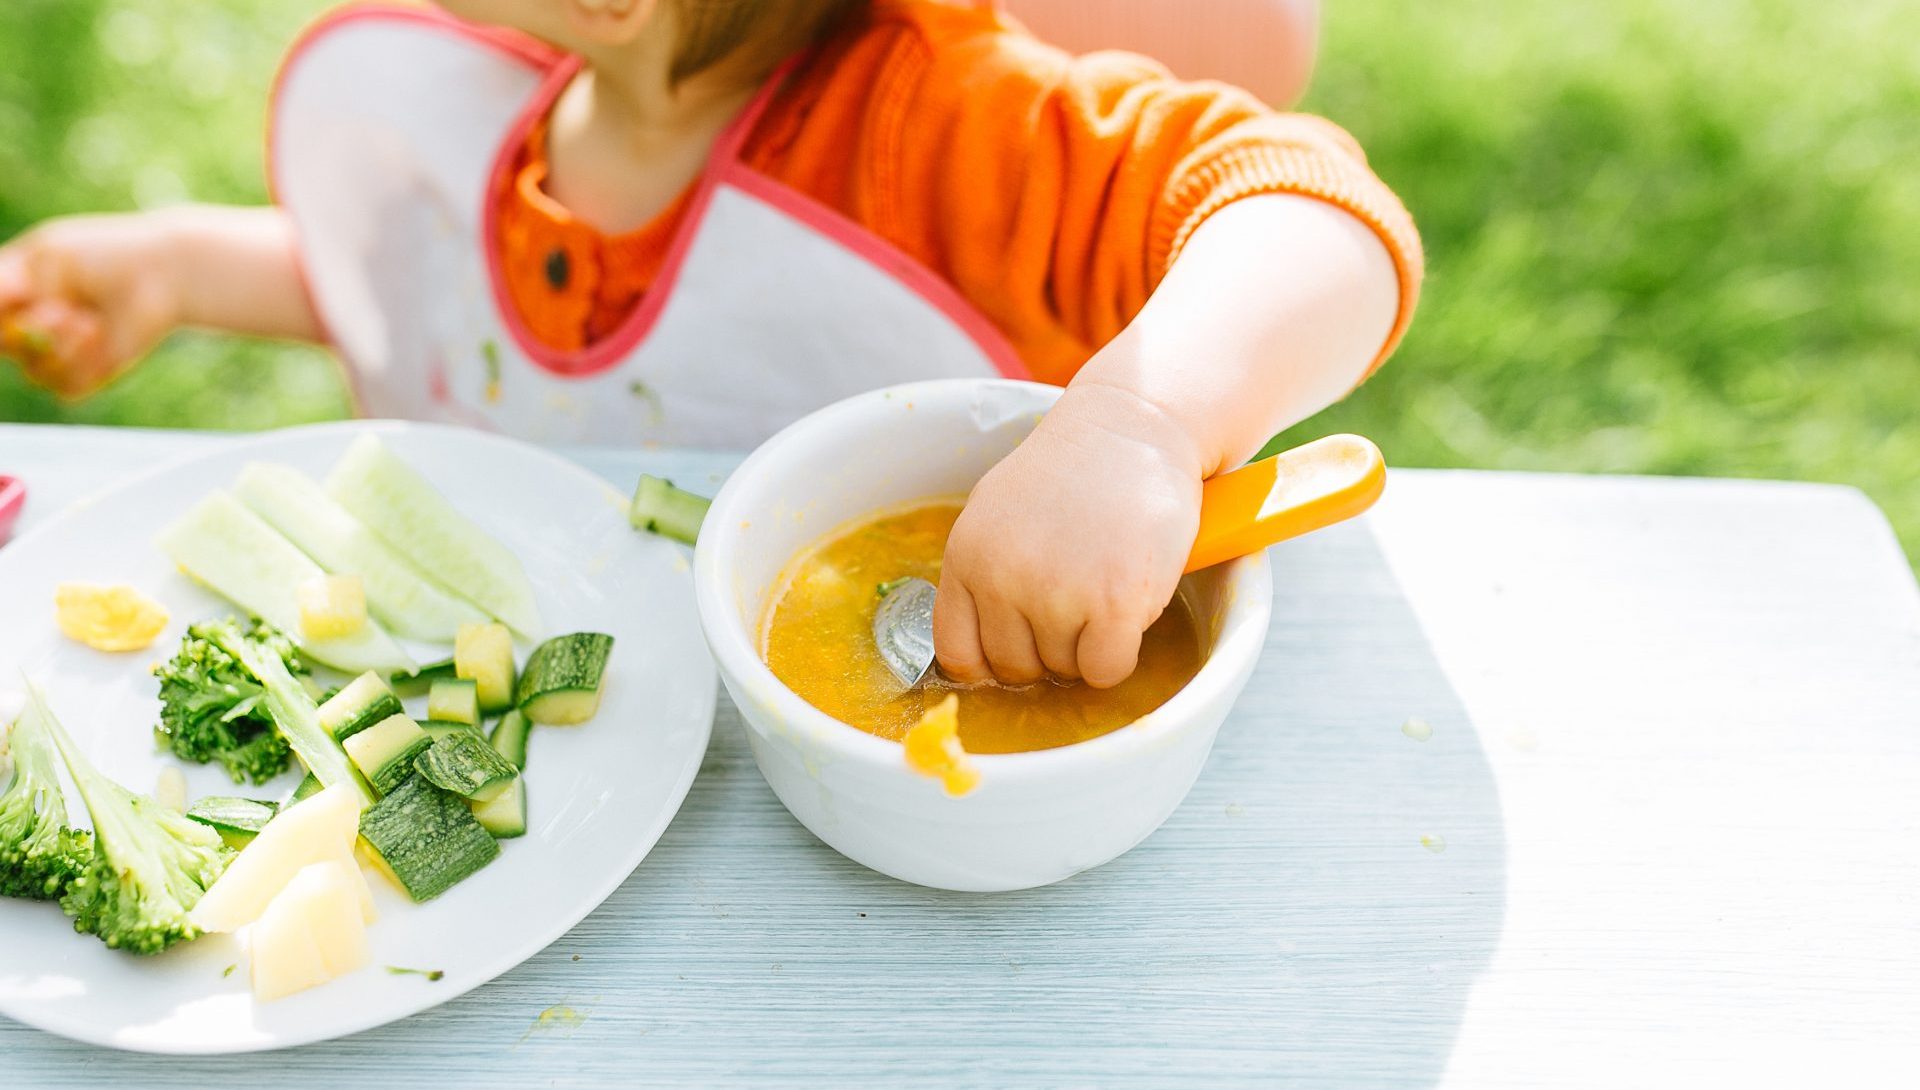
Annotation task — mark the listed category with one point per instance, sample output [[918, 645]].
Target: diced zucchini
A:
[[456, 700], [404, 600], [506, 816], [308, 787], [237, 820], [365, 701], [332, 607], [660, 507], [510, 737], [428, 838], [233, 551], [483, 653], [467, 766], [439, 728], [562, 681], [416, 683], [385, 752], [398, 504]]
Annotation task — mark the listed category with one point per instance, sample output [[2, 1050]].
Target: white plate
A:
[[599, 794]]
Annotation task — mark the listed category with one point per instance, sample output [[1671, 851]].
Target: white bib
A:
[[392, 128]]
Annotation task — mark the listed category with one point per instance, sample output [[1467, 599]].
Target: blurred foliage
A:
[[1664, 236], [117, 104]]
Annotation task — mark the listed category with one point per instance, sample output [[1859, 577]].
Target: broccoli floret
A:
[[149, 865], [211, 708], [39, 855]]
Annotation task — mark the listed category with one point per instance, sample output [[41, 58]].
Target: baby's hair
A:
[[758, 33]]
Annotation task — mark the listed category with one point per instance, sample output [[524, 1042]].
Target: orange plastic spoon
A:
[[1294, 492], [1263, 503]]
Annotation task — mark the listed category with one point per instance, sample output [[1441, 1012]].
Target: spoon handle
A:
[[1294, 492]]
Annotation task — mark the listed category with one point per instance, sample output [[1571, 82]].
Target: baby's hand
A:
[[1072, 546], [82, 298]]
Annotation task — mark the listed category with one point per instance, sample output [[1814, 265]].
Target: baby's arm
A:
[[83, 298], [1265, 46], [1073, 545]]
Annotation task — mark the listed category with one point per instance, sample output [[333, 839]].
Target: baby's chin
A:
[[540, 18]]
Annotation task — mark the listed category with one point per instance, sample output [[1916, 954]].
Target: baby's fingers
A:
[[63, 348], [1059, 645], [1007, 638], [1108, 652], [956, 635], [16, 286]]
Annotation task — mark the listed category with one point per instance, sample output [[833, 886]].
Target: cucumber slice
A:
[[440, 728], [398, 594], [395, 502], [231, 550], [365, 701], [237, 820], [385, 752], [484, 654], [417, 683], [562, 681], [506, 816], [427, 838], [456, 700], [660, 507], [510, 737], [466, 765], [307, 788]]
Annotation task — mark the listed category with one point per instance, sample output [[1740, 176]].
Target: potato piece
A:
[[313, 932]]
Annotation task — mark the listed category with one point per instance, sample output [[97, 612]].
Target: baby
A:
[[693, 221]]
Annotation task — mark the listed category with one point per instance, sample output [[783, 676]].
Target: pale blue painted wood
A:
[[1286, 924]]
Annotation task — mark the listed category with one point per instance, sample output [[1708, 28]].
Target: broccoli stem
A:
[[39, 854], [296, 715], [149, 865]]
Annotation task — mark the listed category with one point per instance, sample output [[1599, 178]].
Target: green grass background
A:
[[1664, 236]]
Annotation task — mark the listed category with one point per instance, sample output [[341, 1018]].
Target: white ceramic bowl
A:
[[1036, 817]]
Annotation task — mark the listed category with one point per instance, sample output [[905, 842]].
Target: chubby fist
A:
[[83, 298], [1072, 546]]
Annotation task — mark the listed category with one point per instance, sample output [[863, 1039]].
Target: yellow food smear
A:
[[117, 618], [817, 636], [933, 748], [554, 1017]]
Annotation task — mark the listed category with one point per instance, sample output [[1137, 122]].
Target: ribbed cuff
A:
[[1289, 165]]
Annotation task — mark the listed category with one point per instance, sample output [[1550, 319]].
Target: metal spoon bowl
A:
[[903, 629]]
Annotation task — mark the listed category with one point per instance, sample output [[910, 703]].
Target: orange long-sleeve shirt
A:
[[1052, 191]]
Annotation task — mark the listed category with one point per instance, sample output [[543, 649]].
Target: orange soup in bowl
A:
[[817, 636]]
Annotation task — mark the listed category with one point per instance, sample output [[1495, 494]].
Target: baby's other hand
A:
[[1072, 546], [84, 297]]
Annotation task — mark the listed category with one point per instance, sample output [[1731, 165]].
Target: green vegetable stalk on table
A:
[[661, 507]]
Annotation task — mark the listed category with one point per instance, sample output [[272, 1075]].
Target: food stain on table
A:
[[1417, 729], [817, 637], [1433, 842], [559, 1017]]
